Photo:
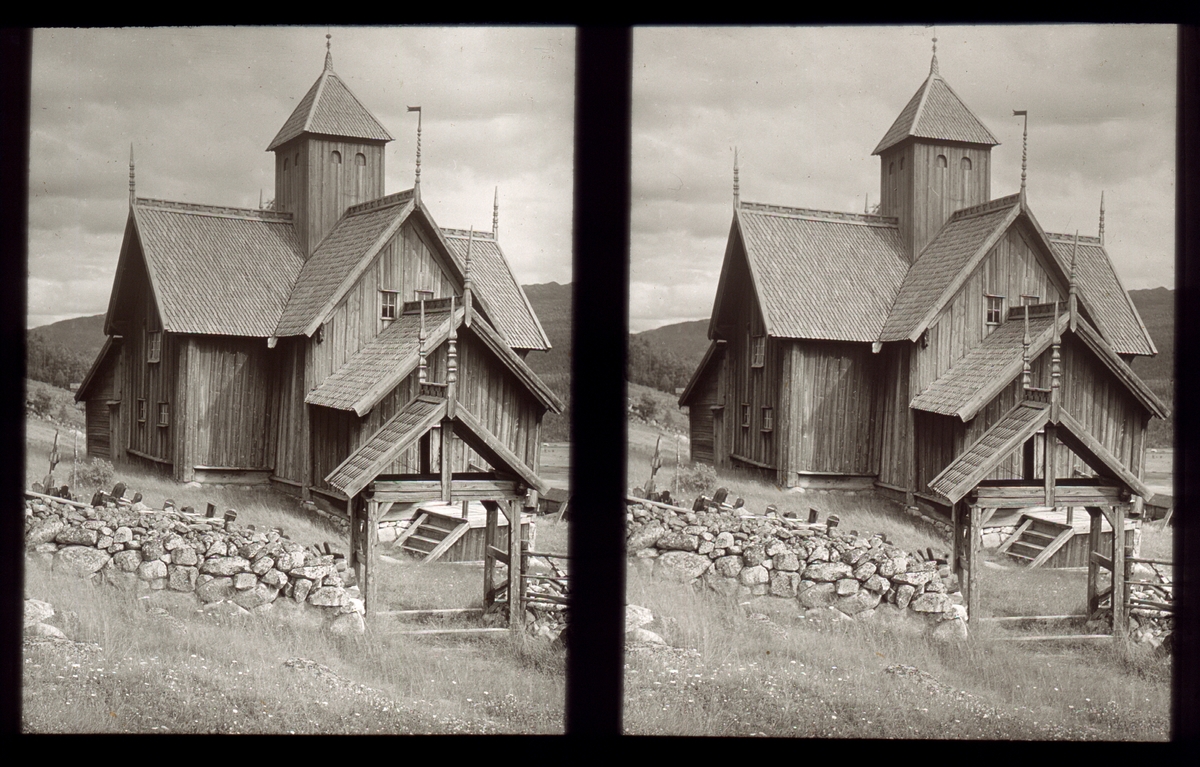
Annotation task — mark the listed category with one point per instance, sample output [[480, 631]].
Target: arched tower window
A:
[[285, 163], [360, 159], [941, 161], [891, 168], [335, 157], [901, 163], [297, 160], [966, 163]]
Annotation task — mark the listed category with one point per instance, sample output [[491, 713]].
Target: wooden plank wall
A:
[[406, 264], [923, 196], [103, 436], [318, 190], [289, 410], [700, 415], [136, 377], [228, 402], [895, 418], [1010, 269], [832, 404]]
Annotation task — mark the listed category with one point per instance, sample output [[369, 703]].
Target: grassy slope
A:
[[552, 304]]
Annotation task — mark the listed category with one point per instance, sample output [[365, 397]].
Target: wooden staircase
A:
[[431, 535], [1036, 540]]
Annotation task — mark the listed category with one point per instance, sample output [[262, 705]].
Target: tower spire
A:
[[328, 52], [131, 195], [1102, 218], [417, 181], [1071, 288], [736, 194], [933, 65], [1024, 147], [496, 215], [1026, 373], [468, 286]]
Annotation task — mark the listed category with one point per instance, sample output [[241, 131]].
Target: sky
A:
[[201, 105], [805, 108]]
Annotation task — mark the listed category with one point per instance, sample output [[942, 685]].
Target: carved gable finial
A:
[[736, 194], [496, 215], [933, 65], [1102, 218], [328, 52], [131, 195]]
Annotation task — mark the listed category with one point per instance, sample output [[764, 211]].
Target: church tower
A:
[[934, 160], [328, 156]]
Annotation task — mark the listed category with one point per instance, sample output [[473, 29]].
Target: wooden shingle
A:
[[329, 108], [936, 112], [509, 307]]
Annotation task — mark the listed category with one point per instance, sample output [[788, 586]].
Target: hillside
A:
[[1157, 309], [82, 335], [552, 304], [686, 340]]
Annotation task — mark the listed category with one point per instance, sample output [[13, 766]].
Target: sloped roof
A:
[[991, 365], [936, 112], [217, 270], [931, 280], [329, 108], [822, 275], [397, 434], [356, 237], [993, 446], [1112, 309], [510, 308], [111, 345], [383, 363]]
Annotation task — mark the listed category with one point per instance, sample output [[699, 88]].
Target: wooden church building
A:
[[341, 337], [901, 348]]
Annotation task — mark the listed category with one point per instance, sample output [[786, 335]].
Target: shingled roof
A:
[[354, 240], [510, 309], [217, 270], [329, 108], [936, 112], [819, 274], [962, 240], [1112, 308]]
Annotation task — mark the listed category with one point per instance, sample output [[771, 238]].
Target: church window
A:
[[745, 415], [360, 159], [891, 168], [901, 163], [758, 351], [285, 163], [164, 413], [995, 309], [941, 161], [335, 157], [966, 163], [768, 419], [1028, 300], [141, 411], [388, 303], [297, 160], [153, 345]]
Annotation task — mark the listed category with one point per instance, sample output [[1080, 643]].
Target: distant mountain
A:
[[686, 340], [1157, 309], [82, 335], [551, 303]]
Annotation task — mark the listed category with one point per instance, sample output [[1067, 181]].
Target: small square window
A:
[[388, 304], [164, 413], [995, 310], [746, 415], [1028, 300], [153, 345], [758, 351], [768, 422], [141, 411]]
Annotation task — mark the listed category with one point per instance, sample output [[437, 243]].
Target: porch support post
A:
[[489, 559], [973, 564], [1050, 454], [371, 565], [1120, 614], [956, 522], [447, 436], [1093, 572], [515, 612], [1027, 460], [352, 563]]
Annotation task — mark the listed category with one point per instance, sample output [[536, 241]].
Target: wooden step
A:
[[1047, 527], [1012, 553], [1031, 536], [1026, 550]]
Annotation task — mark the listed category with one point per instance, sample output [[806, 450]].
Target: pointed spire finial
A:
[[496, 215], [1071, 286], [1101, 218], [131, 194], [468, 286], [328, 51], [1026, 373], [1055, 364], [736, 192], [417, 181], [933, 65], [1024, 147]]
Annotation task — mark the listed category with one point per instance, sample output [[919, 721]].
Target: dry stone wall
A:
[[822, 569], [224, 566]]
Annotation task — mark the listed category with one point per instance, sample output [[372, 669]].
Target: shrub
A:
[[38, 402], [96, 473], [697, 478], [646, 407]]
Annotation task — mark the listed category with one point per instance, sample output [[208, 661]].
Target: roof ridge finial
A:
[[736, 191], [131, 194], [496, 215], [328, 52], [468, 286], [933, 65], [1024, 148], [1072, 289], [1101, 218], [417, 181]]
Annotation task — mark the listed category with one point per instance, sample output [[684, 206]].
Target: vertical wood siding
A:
[[228, 385], [318, 191], [895, 417], [289, 410], [832, 407], [700, 416]]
